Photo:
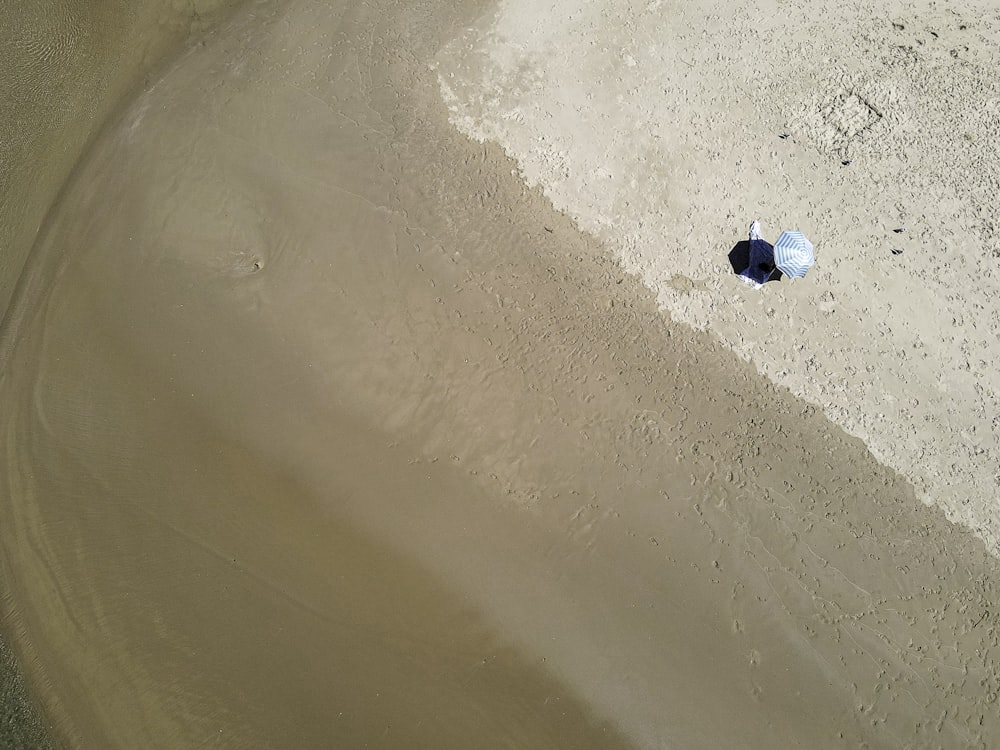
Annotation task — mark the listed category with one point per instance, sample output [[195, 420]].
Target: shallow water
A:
[[329, 432], [65, 68]]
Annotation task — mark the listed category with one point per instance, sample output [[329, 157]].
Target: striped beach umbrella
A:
[[793, 254]]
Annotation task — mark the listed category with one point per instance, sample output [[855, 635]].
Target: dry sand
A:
[[657, 126], [327, 431]]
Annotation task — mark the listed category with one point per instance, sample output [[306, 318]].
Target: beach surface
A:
[[331, 425], [871, 127]]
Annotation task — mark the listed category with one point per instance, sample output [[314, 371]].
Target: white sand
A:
[[656, 127]]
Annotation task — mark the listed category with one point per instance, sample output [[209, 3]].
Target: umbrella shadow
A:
[[764, 269], [739, 256]]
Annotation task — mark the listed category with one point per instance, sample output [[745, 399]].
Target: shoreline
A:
[[326, 390]]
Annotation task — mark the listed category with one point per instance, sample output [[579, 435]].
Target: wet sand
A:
[[330, 432]]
